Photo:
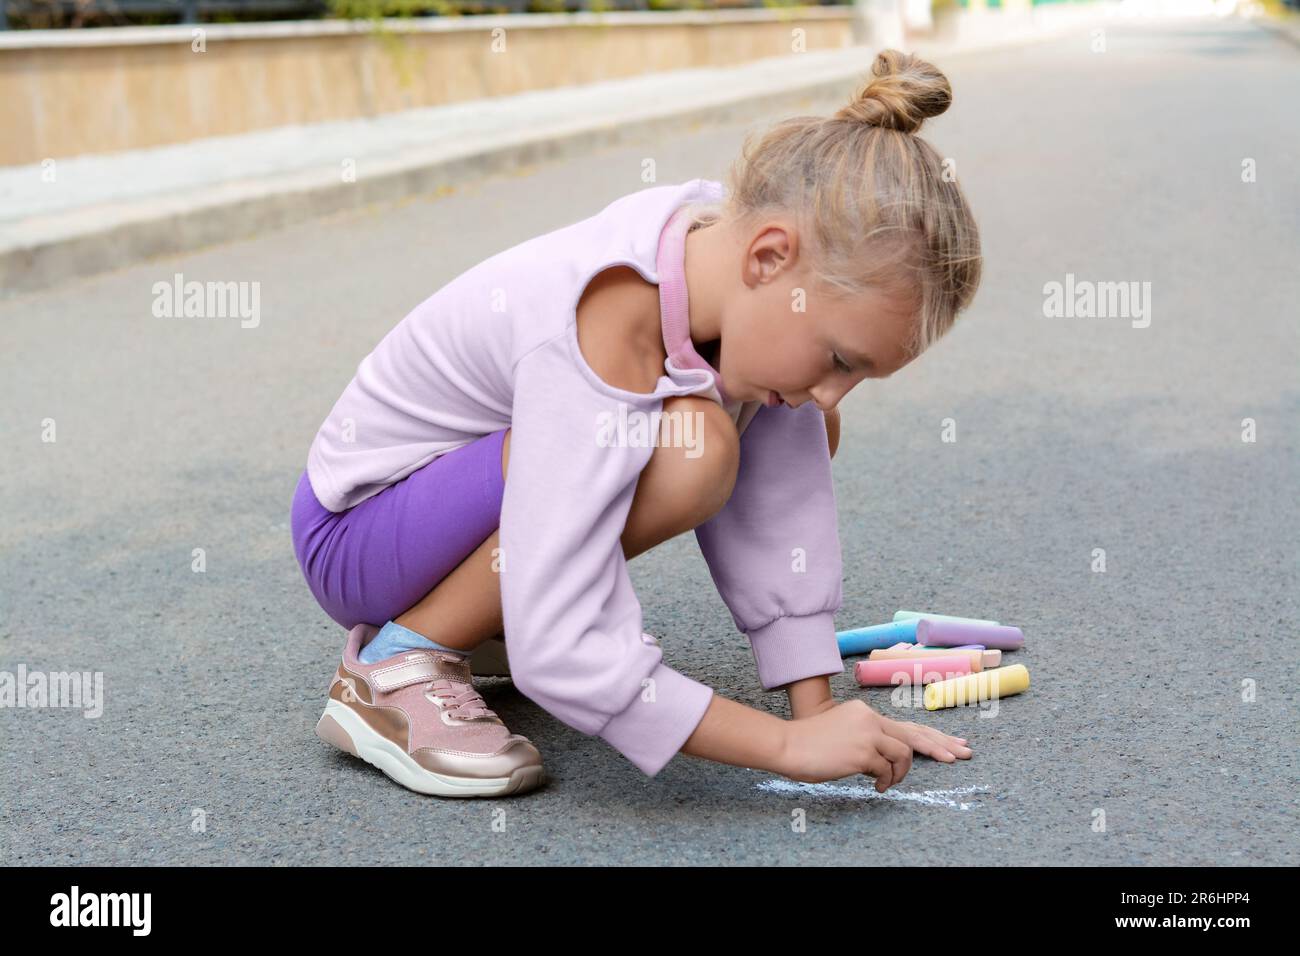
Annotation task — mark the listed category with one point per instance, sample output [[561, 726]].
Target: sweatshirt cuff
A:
[[650, 732], [792, 648]]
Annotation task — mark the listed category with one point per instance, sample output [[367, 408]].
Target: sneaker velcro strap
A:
[[411, 670]]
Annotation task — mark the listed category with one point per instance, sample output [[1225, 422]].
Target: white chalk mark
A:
[[934, 798]]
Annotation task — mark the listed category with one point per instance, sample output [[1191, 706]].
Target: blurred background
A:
[[44, 14], [260, 87]]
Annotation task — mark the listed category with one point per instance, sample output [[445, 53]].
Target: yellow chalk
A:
[[990, 684]]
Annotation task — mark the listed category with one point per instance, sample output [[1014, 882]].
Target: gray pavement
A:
[[1164, 689]]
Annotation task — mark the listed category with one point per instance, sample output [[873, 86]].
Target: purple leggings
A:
[[379, 558]]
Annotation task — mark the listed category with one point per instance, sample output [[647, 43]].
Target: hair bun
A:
[[904, 91]]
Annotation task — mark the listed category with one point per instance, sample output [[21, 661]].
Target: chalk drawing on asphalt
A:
[[933, 798]]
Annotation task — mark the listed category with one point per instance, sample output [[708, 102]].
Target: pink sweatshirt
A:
[[497, 347]]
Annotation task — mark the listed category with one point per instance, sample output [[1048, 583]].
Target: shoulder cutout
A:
[[619, 330]]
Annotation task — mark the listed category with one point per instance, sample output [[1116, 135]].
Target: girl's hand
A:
[[843, 740], [928, 741]]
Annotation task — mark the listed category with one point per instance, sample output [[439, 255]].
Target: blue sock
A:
[[392, 639]]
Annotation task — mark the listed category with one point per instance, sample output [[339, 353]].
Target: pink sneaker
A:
[[418, 718]]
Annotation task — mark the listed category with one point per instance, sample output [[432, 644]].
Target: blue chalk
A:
[[862, 640]]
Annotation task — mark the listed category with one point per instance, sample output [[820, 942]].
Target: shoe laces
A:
[[460, 700]]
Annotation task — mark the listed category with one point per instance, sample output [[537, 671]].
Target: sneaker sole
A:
[[340, 727]]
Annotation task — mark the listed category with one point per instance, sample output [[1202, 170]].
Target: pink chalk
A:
[[956, 633], [925, 670]]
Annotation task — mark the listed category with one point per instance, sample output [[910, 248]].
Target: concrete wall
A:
[[65, 93]]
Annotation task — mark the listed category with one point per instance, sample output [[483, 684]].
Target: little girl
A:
[[671, 363]]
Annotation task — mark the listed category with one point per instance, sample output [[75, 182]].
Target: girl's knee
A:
[[703, 449]]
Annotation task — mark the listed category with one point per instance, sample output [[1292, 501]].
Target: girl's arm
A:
[[809, 696], [573, 621], [846, 740], [734, 734], [774, 550]]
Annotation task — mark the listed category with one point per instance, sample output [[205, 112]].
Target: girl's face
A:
[[818, 354]]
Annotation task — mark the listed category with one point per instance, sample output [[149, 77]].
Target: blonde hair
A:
[[870, 198]]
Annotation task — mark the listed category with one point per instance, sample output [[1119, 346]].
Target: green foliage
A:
[[1276, 8], [379, 9]]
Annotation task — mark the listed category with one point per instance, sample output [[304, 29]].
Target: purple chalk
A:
[[953, 634], [968, 647]]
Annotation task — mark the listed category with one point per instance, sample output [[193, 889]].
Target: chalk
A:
[[917, 670], [904, 652], [863, 639], [989, 658], [954, 634], [968, 647], [992, 684], [913, 615]]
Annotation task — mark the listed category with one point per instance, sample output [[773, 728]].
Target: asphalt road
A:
[[1164, 688]]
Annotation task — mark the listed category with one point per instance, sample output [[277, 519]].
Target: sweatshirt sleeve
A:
[[573, 623], [774, 548]]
